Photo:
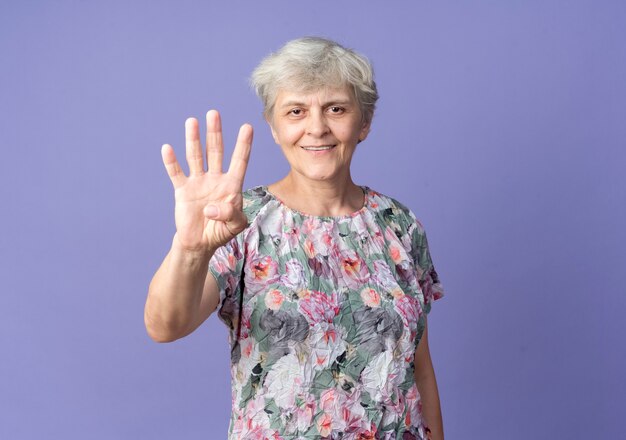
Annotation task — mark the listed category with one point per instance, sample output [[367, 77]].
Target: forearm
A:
[[175, 293], [427, 387], [431, 407]]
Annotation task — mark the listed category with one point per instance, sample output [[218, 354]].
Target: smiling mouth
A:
[[318, 148]]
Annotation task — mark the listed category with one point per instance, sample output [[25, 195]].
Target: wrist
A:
[[191, 254]]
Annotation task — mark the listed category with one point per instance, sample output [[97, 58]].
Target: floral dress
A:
[[324, 316]]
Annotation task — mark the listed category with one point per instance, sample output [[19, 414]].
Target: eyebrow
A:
[[295, 102]]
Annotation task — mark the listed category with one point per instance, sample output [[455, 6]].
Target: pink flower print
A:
[[327, 344], [220, 266], [309, 225], [261, 272], [226, 263], [254, 424], [330, 335], [370, 297], [382, 276], [405, 347], [318, 307], [353, 416], [412, 394], [274, 299], [327, 241], [397, 293], [293, 233], [231, 283], [305, 412], [321, 269], [414, 407], [324, 425], [395, 253], [344, 410], [309, 248], [409, 309], [394, 408], [327, 400], [293, 278], [290, 240], [248, 348], [263, 268], [254, 410], [378, 240], [232, 261], [246, 325], [390, 235], [406, 272], [353, 269], [359, 225], [258, 433], [318, 243], [370, 434], [430, 285], [397, 250]]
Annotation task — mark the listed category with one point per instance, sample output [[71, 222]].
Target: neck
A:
[[320, 198]]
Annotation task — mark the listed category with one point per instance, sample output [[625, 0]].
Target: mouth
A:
[[317, 147]]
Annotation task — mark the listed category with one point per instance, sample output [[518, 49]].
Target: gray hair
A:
[[311, 63]]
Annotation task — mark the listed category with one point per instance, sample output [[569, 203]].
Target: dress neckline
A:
[[361, 210]]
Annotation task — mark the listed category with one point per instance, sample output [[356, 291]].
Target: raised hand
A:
[[208, 203]]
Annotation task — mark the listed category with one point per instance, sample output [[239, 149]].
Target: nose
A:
[[316, 124]]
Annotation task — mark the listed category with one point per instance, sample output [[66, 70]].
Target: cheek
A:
[[348, 136], [348, 132], [288, 135]]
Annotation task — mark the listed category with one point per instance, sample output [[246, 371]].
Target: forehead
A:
[[322, 95]]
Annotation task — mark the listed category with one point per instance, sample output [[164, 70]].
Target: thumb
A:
[[235, 220]]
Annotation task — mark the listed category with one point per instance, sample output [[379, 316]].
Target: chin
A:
[[319, 177], [321, 172]]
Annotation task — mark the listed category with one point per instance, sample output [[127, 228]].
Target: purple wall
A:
[[501, 124]]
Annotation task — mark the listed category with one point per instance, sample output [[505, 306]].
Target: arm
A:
[[427, 387], [181, 296], [208, 214]]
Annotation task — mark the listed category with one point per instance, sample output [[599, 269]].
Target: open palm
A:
[[208, 203]]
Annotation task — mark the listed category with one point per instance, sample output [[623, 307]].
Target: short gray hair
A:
[[312, 63]]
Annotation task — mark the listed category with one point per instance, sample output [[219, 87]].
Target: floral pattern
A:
[[324, 316]]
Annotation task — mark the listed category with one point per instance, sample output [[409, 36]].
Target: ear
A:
[[365, 130], [274, 134]]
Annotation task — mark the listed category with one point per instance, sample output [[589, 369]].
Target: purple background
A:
[[501, 124]]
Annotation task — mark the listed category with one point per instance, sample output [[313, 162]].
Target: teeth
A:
[[322, 148]]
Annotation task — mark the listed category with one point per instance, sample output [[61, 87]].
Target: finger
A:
[[241, 155], [234, 218], [193, 147], [214, 142], [172, 167]]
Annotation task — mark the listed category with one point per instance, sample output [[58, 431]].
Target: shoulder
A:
[[254, 200], [393, 211]]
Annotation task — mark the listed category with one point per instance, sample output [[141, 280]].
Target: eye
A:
[[295, 112], [336, 110]]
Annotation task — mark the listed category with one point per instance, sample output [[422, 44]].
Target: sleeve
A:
[[427, 275], [226, 266]]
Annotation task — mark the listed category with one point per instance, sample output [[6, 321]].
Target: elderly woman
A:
[[323, 284]]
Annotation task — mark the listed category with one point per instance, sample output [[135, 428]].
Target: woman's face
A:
[[318, 131]]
